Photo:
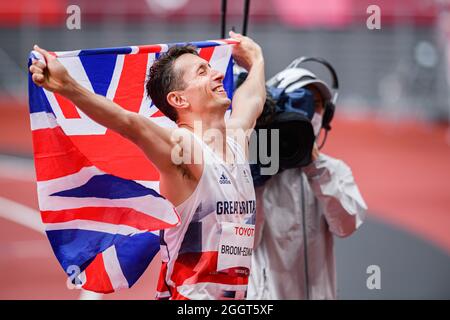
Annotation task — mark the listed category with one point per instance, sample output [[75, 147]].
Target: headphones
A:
[[330, 105]]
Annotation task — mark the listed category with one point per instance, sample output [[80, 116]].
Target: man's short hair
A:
[[162, 79]]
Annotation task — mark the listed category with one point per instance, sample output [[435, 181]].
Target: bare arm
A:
[[249, 98], [151, 138]]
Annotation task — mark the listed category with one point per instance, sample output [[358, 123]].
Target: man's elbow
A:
[[263, 97], [130, 126], [259, 104]]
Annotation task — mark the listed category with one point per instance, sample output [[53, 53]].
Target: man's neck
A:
[[211, 125], [211, 129]]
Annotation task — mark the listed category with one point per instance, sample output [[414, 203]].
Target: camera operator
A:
[[298, 212]]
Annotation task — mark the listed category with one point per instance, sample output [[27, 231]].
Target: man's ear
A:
[[177, 100]]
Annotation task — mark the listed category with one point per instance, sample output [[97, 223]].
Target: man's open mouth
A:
[[219, 89]]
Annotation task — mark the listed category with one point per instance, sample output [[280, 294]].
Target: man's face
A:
[[204, 89], [318, 100]]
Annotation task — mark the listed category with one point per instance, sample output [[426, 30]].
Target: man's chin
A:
[[226, 102], [221, 104]]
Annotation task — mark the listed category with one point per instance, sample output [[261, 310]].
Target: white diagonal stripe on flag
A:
[[42, 120], [113, 269], [111, 93]]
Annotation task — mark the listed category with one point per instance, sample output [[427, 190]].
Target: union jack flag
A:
[[98, 193]]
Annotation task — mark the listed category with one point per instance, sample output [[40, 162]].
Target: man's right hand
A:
[[246, 52], [53, 76]]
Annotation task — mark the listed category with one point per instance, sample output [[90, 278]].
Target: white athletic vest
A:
[[208, 255]]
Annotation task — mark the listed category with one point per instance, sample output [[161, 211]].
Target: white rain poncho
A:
[[298, 212]]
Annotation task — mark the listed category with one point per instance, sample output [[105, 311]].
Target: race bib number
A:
[[235, 248]]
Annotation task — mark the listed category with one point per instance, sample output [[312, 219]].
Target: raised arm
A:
[[249, 98], [152, 139]]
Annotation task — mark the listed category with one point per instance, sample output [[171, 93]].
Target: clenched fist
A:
[[246, 52], [52, 76]]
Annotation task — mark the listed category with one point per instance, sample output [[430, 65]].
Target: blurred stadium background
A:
[[392, 125]]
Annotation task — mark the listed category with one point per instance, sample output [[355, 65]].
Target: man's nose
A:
[[217, 75]]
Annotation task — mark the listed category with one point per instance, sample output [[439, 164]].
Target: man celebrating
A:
[[208, 255]]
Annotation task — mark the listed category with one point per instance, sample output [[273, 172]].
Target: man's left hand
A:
[[246, 52]]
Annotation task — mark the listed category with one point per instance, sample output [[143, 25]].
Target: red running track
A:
[[402, 168]]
